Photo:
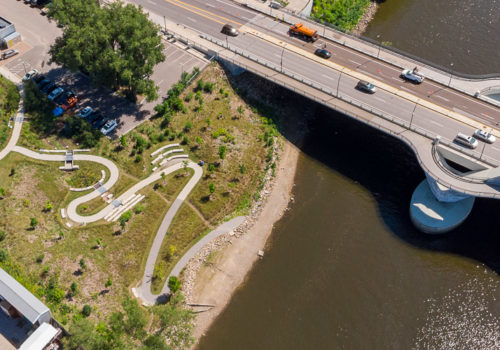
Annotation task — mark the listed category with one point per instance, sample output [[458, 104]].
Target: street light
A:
[[412, 113], [281, 62], [338, 83], [451, 73], [379, 44]]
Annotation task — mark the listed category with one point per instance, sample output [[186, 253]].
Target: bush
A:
[[209, 87], [86, 311], [188, 127], [39, 258], [3, 255], [200, 85], [211, 187], [2, 235], [342, 13], [222, 151], [138, 209], [174, 284], [138, 158], [189, 96], [124, 218], [33, 223], [80, 131]]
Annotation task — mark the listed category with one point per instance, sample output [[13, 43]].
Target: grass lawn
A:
[[344, 14]]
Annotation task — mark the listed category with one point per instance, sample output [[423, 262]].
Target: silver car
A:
[[484, 136], [412, 75], [9, 53]]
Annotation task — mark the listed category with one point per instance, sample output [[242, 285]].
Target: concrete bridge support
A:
[[435, 209]]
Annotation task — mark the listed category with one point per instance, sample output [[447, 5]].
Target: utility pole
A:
[[379, 45], [165, 24]]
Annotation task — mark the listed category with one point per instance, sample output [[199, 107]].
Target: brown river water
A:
[[345, 268]]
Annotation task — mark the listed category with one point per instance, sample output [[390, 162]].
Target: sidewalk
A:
[[469, 86]]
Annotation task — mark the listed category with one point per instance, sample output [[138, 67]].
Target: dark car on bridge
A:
[[323, 53], [229, 30]]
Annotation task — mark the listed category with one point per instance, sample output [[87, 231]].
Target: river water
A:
[[345, 269]]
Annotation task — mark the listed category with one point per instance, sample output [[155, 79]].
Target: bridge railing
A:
[[331, 104]]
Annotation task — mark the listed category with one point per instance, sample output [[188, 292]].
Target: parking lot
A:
[[38, 34]]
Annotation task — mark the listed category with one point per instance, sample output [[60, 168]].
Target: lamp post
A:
[[379, 45], [338, 83], [412, 114], [281, 61], [24, 66], [451, 73]]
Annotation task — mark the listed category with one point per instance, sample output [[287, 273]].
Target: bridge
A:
[[427, 116]]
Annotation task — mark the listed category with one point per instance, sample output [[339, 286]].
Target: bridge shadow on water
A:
[[384, 166]]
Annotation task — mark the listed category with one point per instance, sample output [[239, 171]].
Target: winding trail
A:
[[144, 290]]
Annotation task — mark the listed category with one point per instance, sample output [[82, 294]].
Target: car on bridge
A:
[[363, 85], [467, 141], [484, 136], [412, 75], [323, 53], [229, 30]]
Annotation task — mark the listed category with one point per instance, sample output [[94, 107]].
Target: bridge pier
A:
[[435, 209]]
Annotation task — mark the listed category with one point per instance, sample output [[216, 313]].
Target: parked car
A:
[[38, 78], [109, 126], [41, 84], [70, 103], [366, 86], [96, 115], [30, 75], [84, 113], [485, 136], [323, 53], [412, 75], [64, 97], [229, 30], [99, 123], [9, 53], [49, 87], [55, 93], [467, 141]]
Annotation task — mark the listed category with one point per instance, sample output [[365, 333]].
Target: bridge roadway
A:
[[208, 18]]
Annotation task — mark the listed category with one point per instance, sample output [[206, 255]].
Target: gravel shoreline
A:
[[214, 285], [366, 18]]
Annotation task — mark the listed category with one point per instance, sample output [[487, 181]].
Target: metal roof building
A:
[[22, 300]]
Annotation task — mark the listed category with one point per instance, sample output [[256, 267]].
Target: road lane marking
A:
[[210, 5], [191, 19], [329, 77], [152, 2], [442, 98], [498, 149], [183, 4], [436, 123], [487, 116], [358, 63], [378, 98]]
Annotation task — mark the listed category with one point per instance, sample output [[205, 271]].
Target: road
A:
[[208, 17]]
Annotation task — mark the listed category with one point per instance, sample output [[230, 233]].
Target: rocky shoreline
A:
[[366, 18]]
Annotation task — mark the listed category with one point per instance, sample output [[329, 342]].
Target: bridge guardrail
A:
[[330, 104]]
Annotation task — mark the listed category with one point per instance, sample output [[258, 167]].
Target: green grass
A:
[[344, 14]]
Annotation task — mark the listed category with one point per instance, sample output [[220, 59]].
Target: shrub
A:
[[83, 265], [189, 96], [188, 127], [39, 258], [242, 169], [73, 288], [211, 167], [185, 141], [138, 209], [2, 235], [108, 283], [174, 284], [86, 310], [222, 151], [209, 87], [2, 192], [200, 86], [124, 218], [211, 187], [3, 255], [33, 223], [138, 158]]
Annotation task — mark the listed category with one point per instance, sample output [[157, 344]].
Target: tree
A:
[[116, 44], [163, 176], [108, 283], [174, 284], [83, 265], [123, 141], [135, 320], [74, 289], [84, 336], [185, 164], [33, 223]]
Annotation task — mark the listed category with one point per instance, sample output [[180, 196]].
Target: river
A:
[[345, 269]]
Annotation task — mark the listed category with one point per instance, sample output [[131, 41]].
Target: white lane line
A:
[[152, 2], [210, 5], [487, 116], [394, 78], [364, 72], [329, 77], [355, 62], [403, 88], [378, 98], [436, 123], [443, 98], [191, 19], [498, 149]]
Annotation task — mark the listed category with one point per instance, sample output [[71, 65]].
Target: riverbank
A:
[[366, 18], [221, 267]]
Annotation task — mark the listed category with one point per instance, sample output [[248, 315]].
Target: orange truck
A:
[[302, 31]]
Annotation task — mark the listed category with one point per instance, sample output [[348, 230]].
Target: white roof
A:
[[22, 299], [40, 338]]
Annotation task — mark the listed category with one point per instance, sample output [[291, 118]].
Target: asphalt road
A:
[[209, 17]]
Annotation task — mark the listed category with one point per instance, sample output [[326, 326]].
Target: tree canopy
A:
[[116, 45]]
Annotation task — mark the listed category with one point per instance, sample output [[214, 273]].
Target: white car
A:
[[30, 75], [485, 136], [55, 94], [412, 75], [109, 126], [84, 113]]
